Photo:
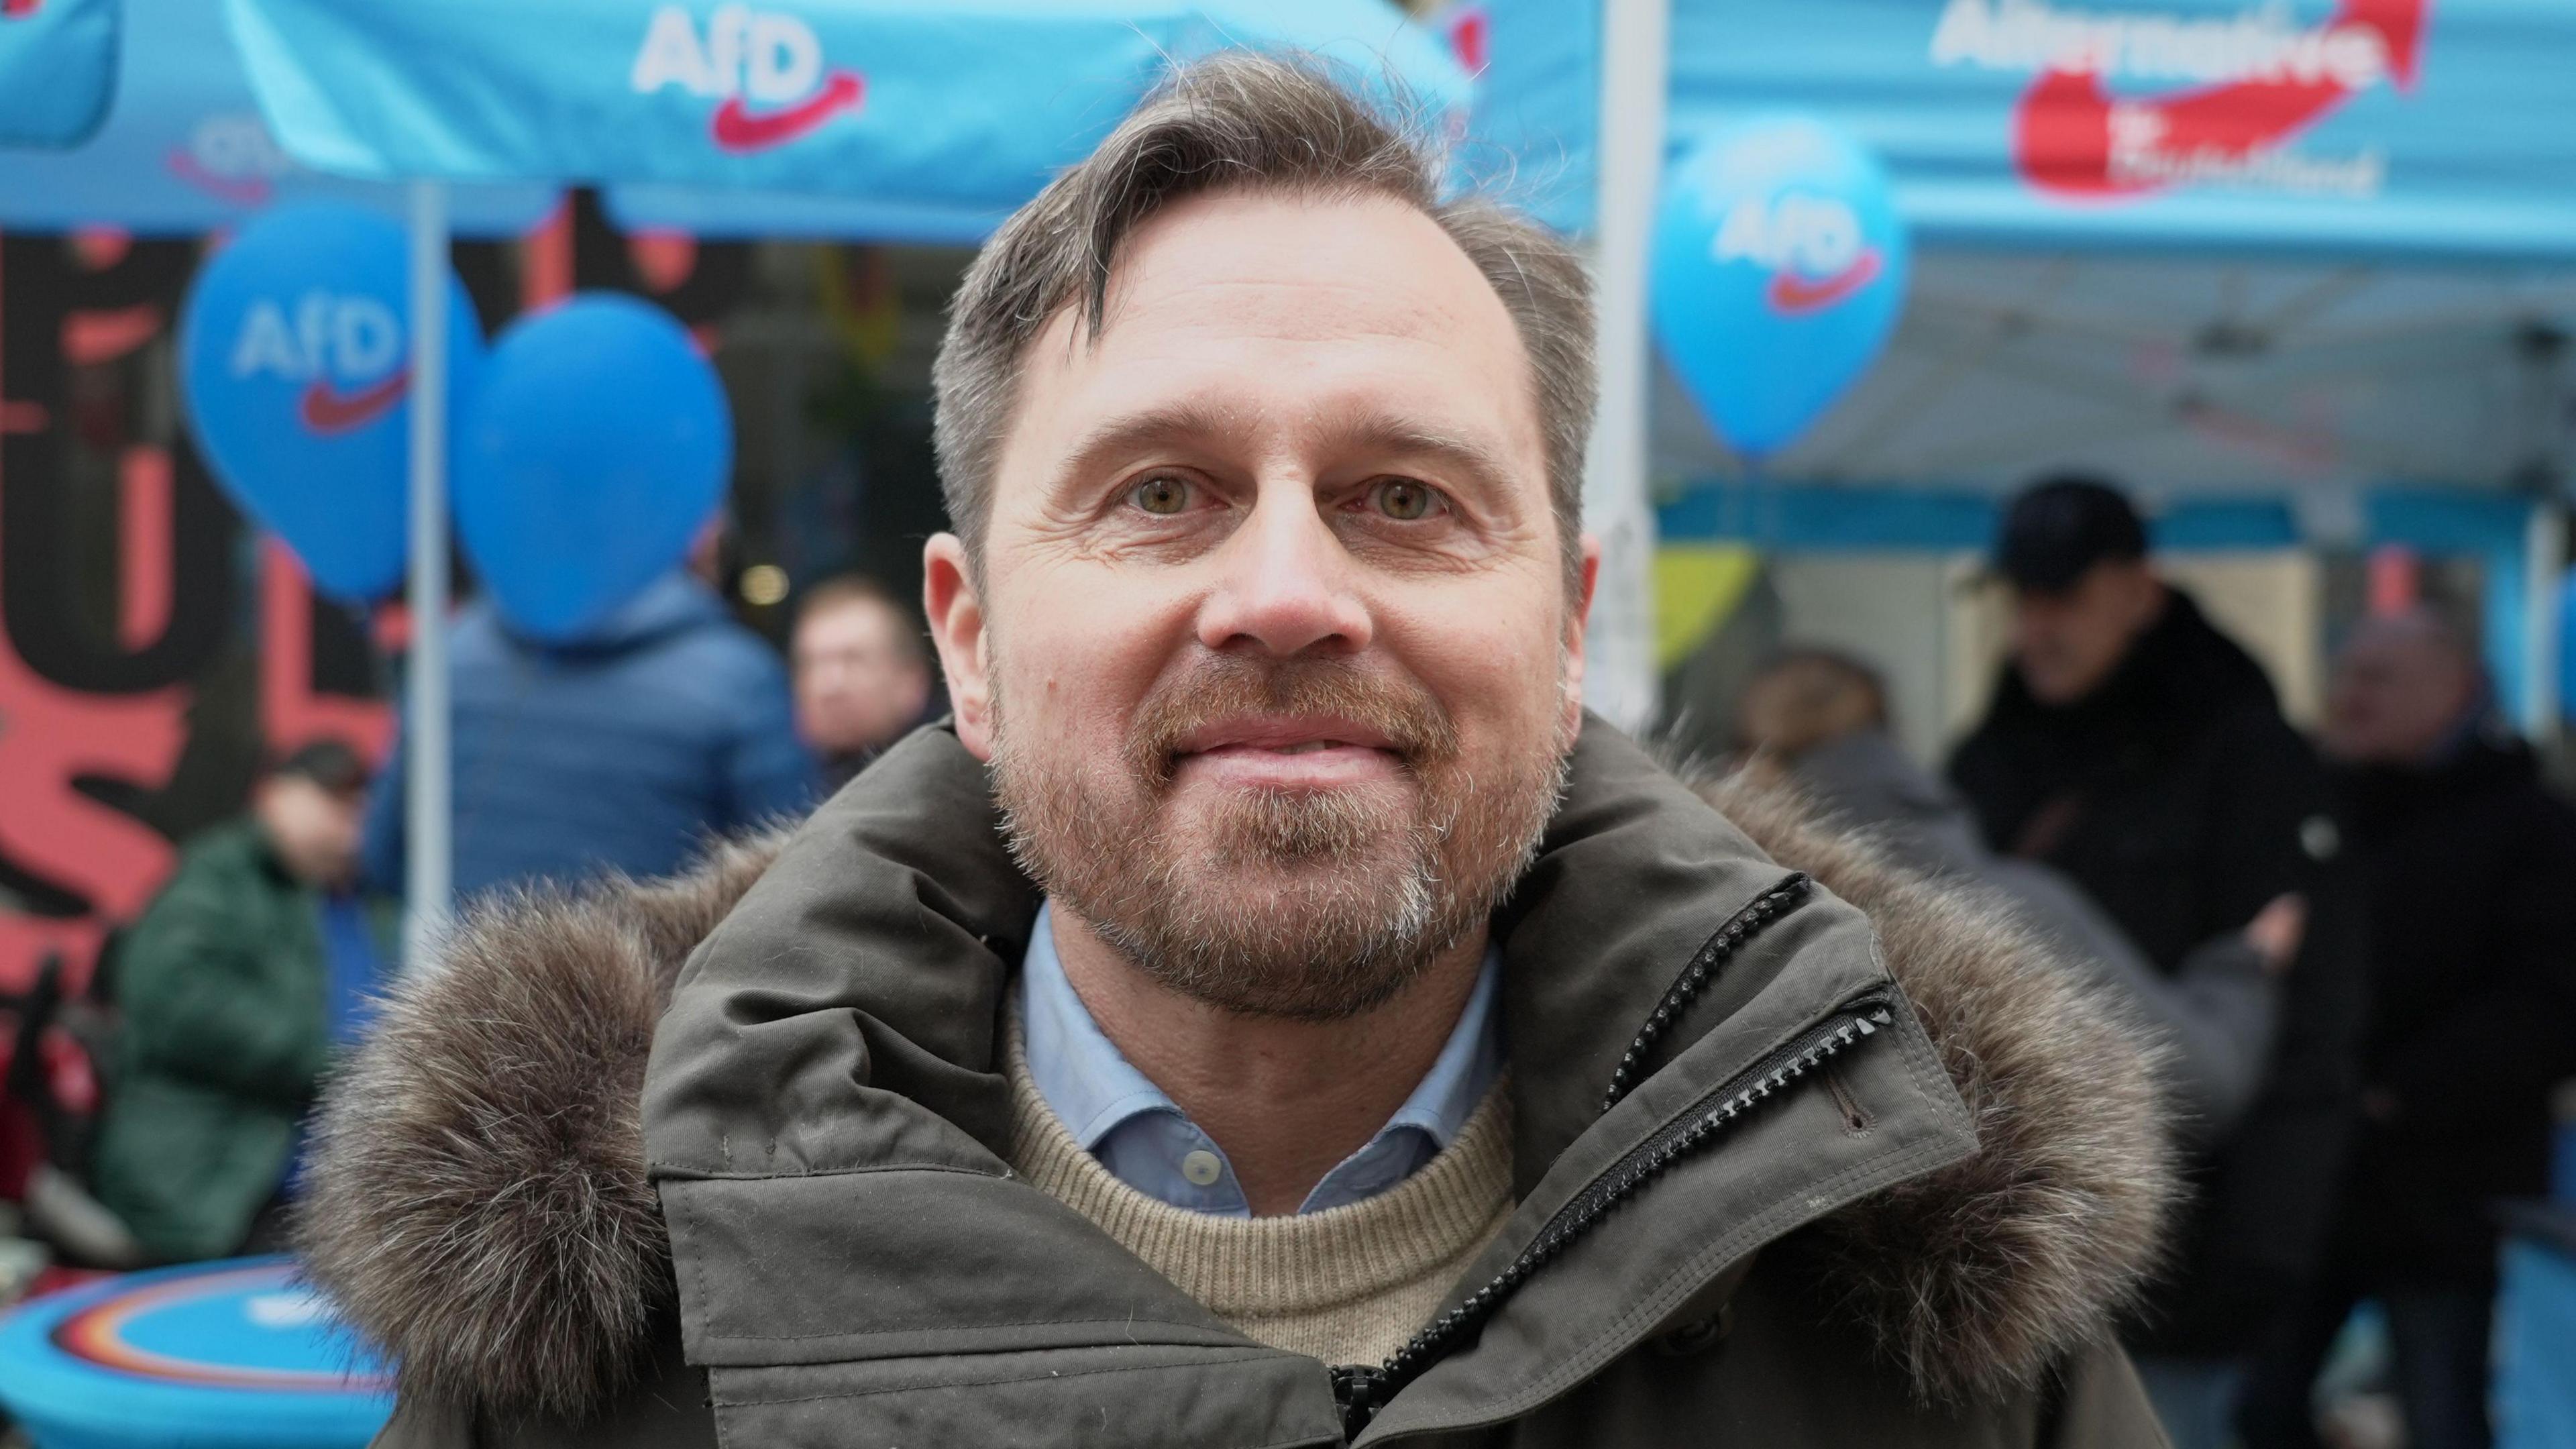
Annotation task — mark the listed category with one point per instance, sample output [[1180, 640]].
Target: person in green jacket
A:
[[231, 999]]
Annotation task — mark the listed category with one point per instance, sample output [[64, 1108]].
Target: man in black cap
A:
[[2141, 752]]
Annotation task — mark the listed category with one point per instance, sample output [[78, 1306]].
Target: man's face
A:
[[315, 831], [2067, 644], [857, 686], [2398, 688], [1274, 651]]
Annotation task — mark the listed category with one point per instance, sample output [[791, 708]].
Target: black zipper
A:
[[1362, 1389], [1741, 927]]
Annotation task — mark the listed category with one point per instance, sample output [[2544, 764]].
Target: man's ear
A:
[[1577, 616], [956, 615]]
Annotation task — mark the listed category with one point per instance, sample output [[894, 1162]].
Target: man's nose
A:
[[1288, 584]]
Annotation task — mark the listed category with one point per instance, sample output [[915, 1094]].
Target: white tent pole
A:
[[1619, 675], [427, 801], [2543, 561]]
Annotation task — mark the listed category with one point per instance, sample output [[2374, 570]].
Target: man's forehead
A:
[[2405, 642], [1235, 311], [1306, 265], [839, 620]]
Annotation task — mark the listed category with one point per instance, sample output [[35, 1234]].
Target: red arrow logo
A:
[[328, 412], [1794, 294], [239, 190], [1471, 39], [2066, 128], [737, 129], [16, 9]]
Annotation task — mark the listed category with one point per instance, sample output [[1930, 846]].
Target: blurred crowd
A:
[[2358, 950], [623, 751]]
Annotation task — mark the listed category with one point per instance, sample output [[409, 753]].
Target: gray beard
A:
[[1310, 906]]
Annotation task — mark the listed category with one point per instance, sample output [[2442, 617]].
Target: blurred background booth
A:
[[2301, 277]]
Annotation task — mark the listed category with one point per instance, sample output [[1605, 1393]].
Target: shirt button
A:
[[1201, 1167]]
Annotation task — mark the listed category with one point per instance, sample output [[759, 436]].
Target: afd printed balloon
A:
[[1779, 271], [598, 443], [294, 373]]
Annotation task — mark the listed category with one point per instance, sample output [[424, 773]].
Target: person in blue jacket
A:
[[624, 750]]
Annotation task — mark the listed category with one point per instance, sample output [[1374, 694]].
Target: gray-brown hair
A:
[[1254, 122]]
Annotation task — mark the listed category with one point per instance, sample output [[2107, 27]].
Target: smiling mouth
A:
[[1286, 754], [1306, 767], [1300, 749], [1296, 726]]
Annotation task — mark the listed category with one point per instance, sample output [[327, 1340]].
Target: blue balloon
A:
[[295, 376], [1779, 270], [599, 443]]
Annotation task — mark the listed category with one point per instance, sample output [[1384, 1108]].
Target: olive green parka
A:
[[1821, 1159]]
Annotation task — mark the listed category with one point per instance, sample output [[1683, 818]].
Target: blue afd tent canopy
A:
[[712, 212], [2441, 129], [2321, 246], [2277, 247], [887, 118], [182, 149], [57, 69]]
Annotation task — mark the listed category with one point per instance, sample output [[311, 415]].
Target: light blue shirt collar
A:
[[1147, 1142]]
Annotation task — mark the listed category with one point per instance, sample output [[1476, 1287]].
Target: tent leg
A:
[[427, 801], [1619, 675], [2544, 562]]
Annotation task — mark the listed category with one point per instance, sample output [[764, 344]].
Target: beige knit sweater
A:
[[1347, 1285]]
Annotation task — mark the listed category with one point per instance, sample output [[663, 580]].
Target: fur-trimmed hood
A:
[[482, 1209]]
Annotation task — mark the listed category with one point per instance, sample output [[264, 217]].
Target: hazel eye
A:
[[1405, 500], [1162, 495]]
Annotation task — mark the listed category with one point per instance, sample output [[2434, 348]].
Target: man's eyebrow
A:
[[1371, 431], [1136, 432], [1345, 431]]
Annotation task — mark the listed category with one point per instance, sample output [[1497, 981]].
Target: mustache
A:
[[1223, 686]]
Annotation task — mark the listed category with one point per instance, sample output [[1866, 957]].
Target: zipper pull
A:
[[1357, 1389]]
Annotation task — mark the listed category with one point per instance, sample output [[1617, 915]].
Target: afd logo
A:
[[764, 69], [347, 351], [1811, 245], [230, 156], [2201, 98], [19, 9]]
